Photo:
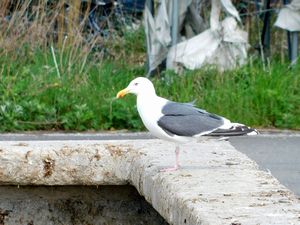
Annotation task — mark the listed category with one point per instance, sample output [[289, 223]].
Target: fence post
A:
[[175, 13], [292, 40], [150, 6], [266, 29], [294, 47]]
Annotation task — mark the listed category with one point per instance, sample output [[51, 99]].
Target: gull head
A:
[[138, 86]]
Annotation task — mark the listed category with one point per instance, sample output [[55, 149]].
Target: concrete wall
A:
[[103, 205], [215, 185]]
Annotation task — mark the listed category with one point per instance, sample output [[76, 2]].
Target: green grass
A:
[[248, 94], [34, 97]]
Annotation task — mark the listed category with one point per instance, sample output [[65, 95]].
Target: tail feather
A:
[[235, 130]]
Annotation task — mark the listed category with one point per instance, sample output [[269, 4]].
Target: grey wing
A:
[[184, 119]]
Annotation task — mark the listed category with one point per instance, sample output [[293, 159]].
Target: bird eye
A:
[[136, 84]]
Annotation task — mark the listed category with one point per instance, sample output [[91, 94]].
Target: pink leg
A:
[[176, 167]]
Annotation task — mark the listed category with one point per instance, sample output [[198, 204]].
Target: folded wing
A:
[[183, 119]]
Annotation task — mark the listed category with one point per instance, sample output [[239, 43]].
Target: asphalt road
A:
[[277, 153]]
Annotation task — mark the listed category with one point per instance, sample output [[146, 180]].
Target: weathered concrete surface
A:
[[216, 185]]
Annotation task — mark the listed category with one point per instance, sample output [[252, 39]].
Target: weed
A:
[[34, 97]]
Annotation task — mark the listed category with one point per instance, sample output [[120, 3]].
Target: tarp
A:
[[158, 30], [225, 49], [289, 17], [224, 44]]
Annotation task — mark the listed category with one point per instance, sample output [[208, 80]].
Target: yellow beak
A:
[[122, 93]]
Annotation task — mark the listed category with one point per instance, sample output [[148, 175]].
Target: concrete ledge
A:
[[216, 185]]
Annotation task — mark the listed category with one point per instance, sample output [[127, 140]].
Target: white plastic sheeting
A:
[[224, 49], [224, 44], [289, 17], [158, 38], [158, 30]]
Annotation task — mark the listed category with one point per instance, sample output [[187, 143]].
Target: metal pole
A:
[[288, 36], [149, 4], [175, 12], [294, 47], [285, 2], [266, 29]]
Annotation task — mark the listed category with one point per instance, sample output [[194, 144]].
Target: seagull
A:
[[178, 122]]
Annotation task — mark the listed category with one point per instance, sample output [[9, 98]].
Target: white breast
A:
[[149, 108]]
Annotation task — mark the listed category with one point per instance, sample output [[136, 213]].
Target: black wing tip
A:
[[236, 130]]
